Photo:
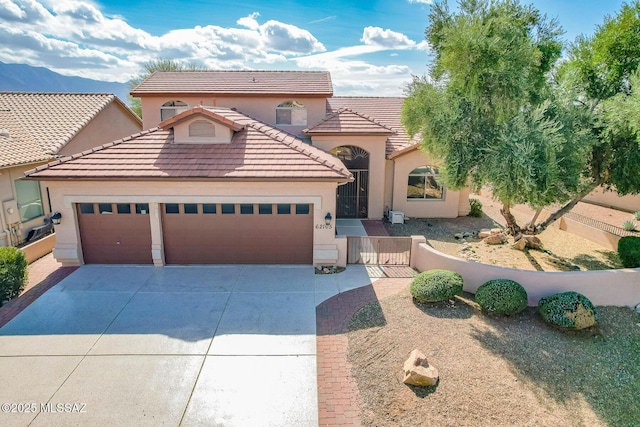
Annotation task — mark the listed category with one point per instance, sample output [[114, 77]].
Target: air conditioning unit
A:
[[396, 217]]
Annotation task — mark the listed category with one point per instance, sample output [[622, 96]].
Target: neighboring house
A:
[[242, 167], [36, 128]]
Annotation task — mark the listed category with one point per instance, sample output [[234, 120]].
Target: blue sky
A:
[[370, 47]]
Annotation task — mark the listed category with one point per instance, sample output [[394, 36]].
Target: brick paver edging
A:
[[16, 305], [338, 395]]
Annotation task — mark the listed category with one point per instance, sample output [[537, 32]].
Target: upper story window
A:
[[172, 108], [423, 184], [291, 113], [202, 129]]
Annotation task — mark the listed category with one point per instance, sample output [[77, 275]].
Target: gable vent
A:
[[202, 129]]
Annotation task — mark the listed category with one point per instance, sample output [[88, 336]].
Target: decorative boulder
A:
[[568, 310], [495, 239], [520, 245], [485, 232], [533, 242], [417, 370]]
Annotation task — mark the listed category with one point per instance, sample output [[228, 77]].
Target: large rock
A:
[[417, 370], [533, 242], [520, 244], [496, 239], [485, 232]]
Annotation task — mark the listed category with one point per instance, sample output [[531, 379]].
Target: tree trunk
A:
[[530, 226], [512, 225], [563, 210]]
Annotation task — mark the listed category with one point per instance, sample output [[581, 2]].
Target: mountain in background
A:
[[25, 78]]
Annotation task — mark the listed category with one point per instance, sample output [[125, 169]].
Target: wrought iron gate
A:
[[353, 197]]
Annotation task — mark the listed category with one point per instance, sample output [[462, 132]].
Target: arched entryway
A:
[[353, 197]]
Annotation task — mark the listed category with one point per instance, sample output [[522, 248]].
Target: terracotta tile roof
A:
[[345, 120], [40, 124], [236, 83], [257, 151], [385, 110]]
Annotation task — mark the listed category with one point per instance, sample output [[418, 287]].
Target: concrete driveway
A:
[[195, 345]]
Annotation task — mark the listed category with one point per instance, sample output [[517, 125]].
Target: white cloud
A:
[[421, 1], [376, 36], [249, 21]]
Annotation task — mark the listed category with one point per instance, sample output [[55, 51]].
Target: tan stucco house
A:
[[36, 128], [241, 167]]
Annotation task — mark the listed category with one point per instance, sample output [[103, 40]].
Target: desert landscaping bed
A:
[[562, 251], [494, 371]]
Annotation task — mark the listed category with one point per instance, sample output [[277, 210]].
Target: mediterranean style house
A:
[[36, 128], [241, 167]]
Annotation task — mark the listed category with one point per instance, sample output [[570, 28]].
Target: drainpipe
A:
[[4, 227]]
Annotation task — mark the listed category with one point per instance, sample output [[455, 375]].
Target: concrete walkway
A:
[[197, 345]]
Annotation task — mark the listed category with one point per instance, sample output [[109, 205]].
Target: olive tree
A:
[[490, 110]]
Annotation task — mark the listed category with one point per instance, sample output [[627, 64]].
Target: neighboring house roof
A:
[[39, 125], [256, 151], [236, 83], [346, 121], [385, 110]]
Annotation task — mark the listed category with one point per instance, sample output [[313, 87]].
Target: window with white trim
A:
[[291, 113], [29, 200], [423, 183]]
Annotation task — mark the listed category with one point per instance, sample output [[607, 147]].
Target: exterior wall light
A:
[[327, 218], [55, 218]]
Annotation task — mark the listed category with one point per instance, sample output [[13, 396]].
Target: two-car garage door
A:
[[200, 233]]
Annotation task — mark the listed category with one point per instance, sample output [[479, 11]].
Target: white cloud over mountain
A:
[[74, 37]]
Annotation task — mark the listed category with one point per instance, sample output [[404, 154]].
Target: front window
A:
[[29, 200], [291, 113], [423, 183], [172, 108]]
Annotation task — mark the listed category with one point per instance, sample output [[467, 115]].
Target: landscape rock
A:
[[458, 236], [520, 244], [485, 232], [533, 242], [495, 239], [466, 234], [496, 230], [417, 370]]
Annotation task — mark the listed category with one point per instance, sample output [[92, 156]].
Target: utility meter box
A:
[[11, 211], [396, 217]]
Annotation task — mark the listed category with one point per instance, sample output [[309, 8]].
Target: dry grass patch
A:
[[494, 371]]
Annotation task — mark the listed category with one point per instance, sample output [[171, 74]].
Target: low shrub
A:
[[13, 273], [629, 225], [501, 296], [476, 208], [435, 286], [629, 251], [636, 215], [568, 310]]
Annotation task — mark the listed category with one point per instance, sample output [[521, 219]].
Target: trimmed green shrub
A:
[[435, 286], [476, 208], [568, 310], [629, 251], [501, 296], [636, 215], [13, 273], [629, 225]]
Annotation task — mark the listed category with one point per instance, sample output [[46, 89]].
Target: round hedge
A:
[[502, 296], [436, 285], [568, 310]]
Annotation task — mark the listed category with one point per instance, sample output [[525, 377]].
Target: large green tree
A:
[[160, 64], [490, 111]]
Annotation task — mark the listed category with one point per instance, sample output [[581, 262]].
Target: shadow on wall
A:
[[603, 287]]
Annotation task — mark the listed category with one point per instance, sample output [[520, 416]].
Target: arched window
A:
[[423, 183], [202, 129], [171, 108], [291, 113]]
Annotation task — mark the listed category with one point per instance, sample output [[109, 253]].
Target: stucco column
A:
[[157, 248]]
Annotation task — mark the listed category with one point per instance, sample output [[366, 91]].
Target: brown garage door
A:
[[115, 233], [238, 233]]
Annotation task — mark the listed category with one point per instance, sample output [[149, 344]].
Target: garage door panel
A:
[[237, 238], [115, 238]]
